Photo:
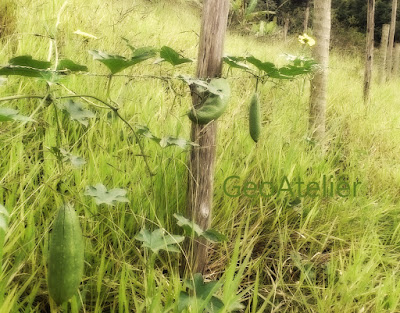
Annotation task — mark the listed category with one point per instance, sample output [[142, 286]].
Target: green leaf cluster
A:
[[7, 114], [101, 195], [164, 141], [191, 228], [297, 66], [159, 240]]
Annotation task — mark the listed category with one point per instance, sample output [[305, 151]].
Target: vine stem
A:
[[18, 97], [113, 108]]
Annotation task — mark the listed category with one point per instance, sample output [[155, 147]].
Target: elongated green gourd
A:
[[255, 118], [66, 256], [214, 105]]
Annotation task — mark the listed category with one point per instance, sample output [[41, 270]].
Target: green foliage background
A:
[[321, 255]]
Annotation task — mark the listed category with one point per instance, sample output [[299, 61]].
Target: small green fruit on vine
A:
[[255, 118], [214, 105], [66, 256]]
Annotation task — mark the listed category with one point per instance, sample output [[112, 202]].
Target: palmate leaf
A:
[[217, 86], [214, 236], [27, 60], [77, 112], [71, 66], [4, 216], [188, 226], [117, 63], [65, 156], [165, 141], [7, 114], [201, 292], [159, 240], [191, 228], [292, 71], [145, 132], [298, 66], [101, 195], [27, 66], [143, 54], [193, 81], [171, 56], [174, 141], [269, 68], [236, 62]]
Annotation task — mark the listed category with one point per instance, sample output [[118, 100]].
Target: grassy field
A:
[[319, 254]]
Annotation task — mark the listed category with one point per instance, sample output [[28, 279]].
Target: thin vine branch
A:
[[19, 97], [114, 109]]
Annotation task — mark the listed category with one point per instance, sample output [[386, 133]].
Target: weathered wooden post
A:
[[202, 158], [286, 28], [319, 83], [383, 51], [369, 52], [396, 59], [389, 58]]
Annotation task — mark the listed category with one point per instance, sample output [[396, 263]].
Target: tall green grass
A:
[[316, 255]]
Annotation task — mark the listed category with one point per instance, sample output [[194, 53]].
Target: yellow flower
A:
[[306, 40]]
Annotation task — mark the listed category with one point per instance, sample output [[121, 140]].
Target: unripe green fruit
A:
[[255, 118], [66, 256], [214, 105]]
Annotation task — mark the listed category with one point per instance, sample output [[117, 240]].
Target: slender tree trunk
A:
[[396, 57], [383, 50], [319, 83], [389, 61], [202, 158], [306, 16], [369, 53], [286, 28]]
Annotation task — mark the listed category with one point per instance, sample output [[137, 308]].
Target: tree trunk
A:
[[202, 158], [383, 50], [369, 53], [285, 28], [319, 83], [396, 61], [389, 61], [306, 16]]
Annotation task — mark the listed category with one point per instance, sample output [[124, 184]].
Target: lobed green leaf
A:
[[101, 195], [171, 56]]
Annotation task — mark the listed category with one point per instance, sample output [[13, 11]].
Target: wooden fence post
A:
[[319, 83], [396, 59], [383, 50], [202, 158], [369, 53], [392, 30]]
